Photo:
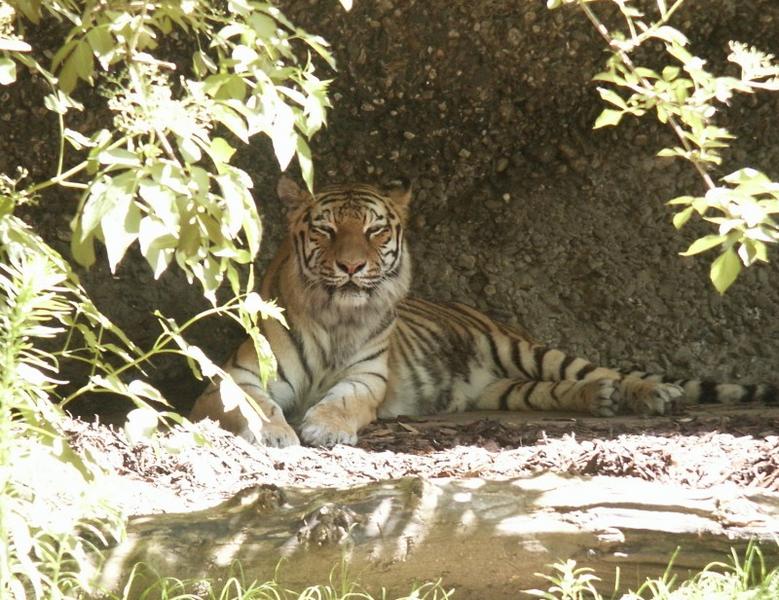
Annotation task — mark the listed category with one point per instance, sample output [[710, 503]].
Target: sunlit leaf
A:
[[306, 164], [263, 25], [7, 71], [705, 243], [220, 150], [119, 157], [608, 117], [102, 44], [682, 217], [141, 425], [120, 226], [283, 135], [233, 121], [724, 270], [157, 244]]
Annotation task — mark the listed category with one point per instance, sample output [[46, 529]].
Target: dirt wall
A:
[[520, 207]]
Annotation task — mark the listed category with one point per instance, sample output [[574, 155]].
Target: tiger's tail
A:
[[707, 391]]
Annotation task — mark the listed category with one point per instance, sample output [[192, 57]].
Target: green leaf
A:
[[98, 200], [82, 247], [119, 157], [220, 150], [670, 73], [320, 47], [162, 203], [61, 102], [234, 88], [613, 97], [157, 244], [141, 425], [306, 164], [233, 194], [682, 217], [672, 152], [232, 120], [102, 44], [607, 76], [76, 139], [64, 51], [646, 73], [684, 200], [725, 269], [190, 151], [263, 25], [283, 135], [7, 71], [120, 226], [67, 77], [608, 117], [202, 64], [702, 244], [670, 34], [83, 61]]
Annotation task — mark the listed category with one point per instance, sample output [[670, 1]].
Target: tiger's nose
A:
[[350, 267]]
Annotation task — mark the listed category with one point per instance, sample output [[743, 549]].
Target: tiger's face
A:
[[348, 240]]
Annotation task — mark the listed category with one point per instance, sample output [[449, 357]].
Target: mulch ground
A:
[[701, 449]]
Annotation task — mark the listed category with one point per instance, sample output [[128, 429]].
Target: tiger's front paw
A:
[[327, 425], [277, 434]]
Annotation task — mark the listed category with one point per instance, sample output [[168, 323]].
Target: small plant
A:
[[747, 578], [162, 178], [685, 96], [568, 583], [236, 587]]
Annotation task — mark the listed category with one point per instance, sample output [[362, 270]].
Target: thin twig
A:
[[627, 61]]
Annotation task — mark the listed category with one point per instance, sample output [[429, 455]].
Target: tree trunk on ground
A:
[[487, 539]]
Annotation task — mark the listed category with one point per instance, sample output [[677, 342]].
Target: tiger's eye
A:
[[376, 230], [325, 231]]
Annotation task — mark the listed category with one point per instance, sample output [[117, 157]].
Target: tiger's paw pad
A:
[[650, 398], [327, 426]]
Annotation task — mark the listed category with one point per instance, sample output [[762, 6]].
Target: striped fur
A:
[[358, 346]]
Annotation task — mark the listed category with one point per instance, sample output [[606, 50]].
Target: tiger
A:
[[357, 347]]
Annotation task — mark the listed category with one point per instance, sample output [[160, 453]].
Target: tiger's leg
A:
[[600, 396], [348, 406], [224, 401], [227, 405]]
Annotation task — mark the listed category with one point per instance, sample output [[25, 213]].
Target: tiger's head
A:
[[348, 243]]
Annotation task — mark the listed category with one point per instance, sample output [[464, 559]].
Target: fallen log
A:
[[487, 539]]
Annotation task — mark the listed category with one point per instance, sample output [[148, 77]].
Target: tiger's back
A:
[[358, 346]]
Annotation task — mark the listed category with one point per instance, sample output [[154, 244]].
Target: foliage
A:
[[161, 176], [235, 587], [53, 509], [568, 583], [686, 96], [746, 577]]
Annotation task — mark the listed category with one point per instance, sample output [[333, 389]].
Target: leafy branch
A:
[[163, 176], [686, 97]]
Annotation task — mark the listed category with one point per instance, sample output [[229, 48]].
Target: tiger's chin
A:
[[351, 295]]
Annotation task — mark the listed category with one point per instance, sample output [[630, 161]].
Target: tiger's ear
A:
[[291, 194], [399, 191]]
